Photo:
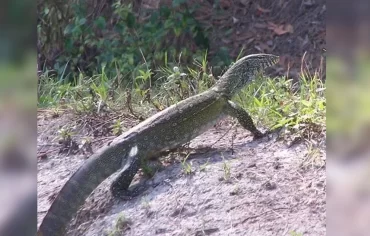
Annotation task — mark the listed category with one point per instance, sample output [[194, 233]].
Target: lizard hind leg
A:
[[120, 185]]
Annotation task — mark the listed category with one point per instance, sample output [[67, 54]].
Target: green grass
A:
[[187, 167], [226, 169], [281, 103], [294, 233], [298, 107]]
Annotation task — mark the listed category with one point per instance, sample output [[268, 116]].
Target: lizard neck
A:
[[231, 83], [242, 72]]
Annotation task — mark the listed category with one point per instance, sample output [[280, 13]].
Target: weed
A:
[[145, 203], [64, 135], [294, 233], [146, 206], [117, 128], [299, 107], [235, 191], [227, 170], [55, 112], [204, 166], [313, 156], [121, 225], [85, 145], [99, 89], [186, 166]]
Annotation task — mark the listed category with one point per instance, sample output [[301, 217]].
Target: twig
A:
[[99, 125], [261, 214], [222, 136], [39, 154], [103, 138], [129, 105]]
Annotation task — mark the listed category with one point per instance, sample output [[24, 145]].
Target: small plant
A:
[[298, 107], [145, 203], [117, 128], [65, 135], [236, 191], [121, 225], [146, 206], [186, 166], [177, 83], [85, 145], [204, 166], [226, 169], [55, 112], [313, 156], [294, 233]]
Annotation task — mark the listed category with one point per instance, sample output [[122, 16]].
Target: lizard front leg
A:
[[244, 118]]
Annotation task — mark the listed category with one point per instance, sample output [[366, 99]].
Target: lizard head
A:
[[254, 63], [243, 71]]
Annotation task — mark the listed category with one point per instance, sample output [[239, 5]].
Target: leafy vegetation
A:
[[187, 166], [123, 42], [227, 170], [298, 107], [281, 103], [144, 61]]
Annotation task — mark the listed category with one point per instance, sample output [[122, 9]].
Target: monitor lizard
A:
[[166, 130]]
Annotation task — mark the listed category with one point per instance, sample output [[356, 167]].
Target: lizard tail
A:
[[73, 194]]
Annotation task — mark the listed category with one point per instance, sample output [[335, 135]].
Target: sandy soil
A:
[[239, 187]]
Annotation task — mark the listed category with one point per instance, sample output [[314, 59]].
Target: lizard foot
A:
[[126, 194], [258, 134]]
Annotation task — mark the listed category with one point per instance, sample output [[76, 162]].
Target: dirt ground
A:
[[239, 187]]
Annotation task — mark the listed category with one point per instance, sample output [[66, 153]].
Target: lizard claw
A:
[[258, 134], [128, 194]]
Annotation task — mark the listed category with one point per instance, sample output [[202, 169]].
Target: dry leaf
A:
[[225, 4], [262, 47], [281, 29], [263, 10], [260, 25]]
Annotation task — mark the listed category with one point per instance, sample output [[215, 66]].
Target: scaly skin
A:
[[166, 130]]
